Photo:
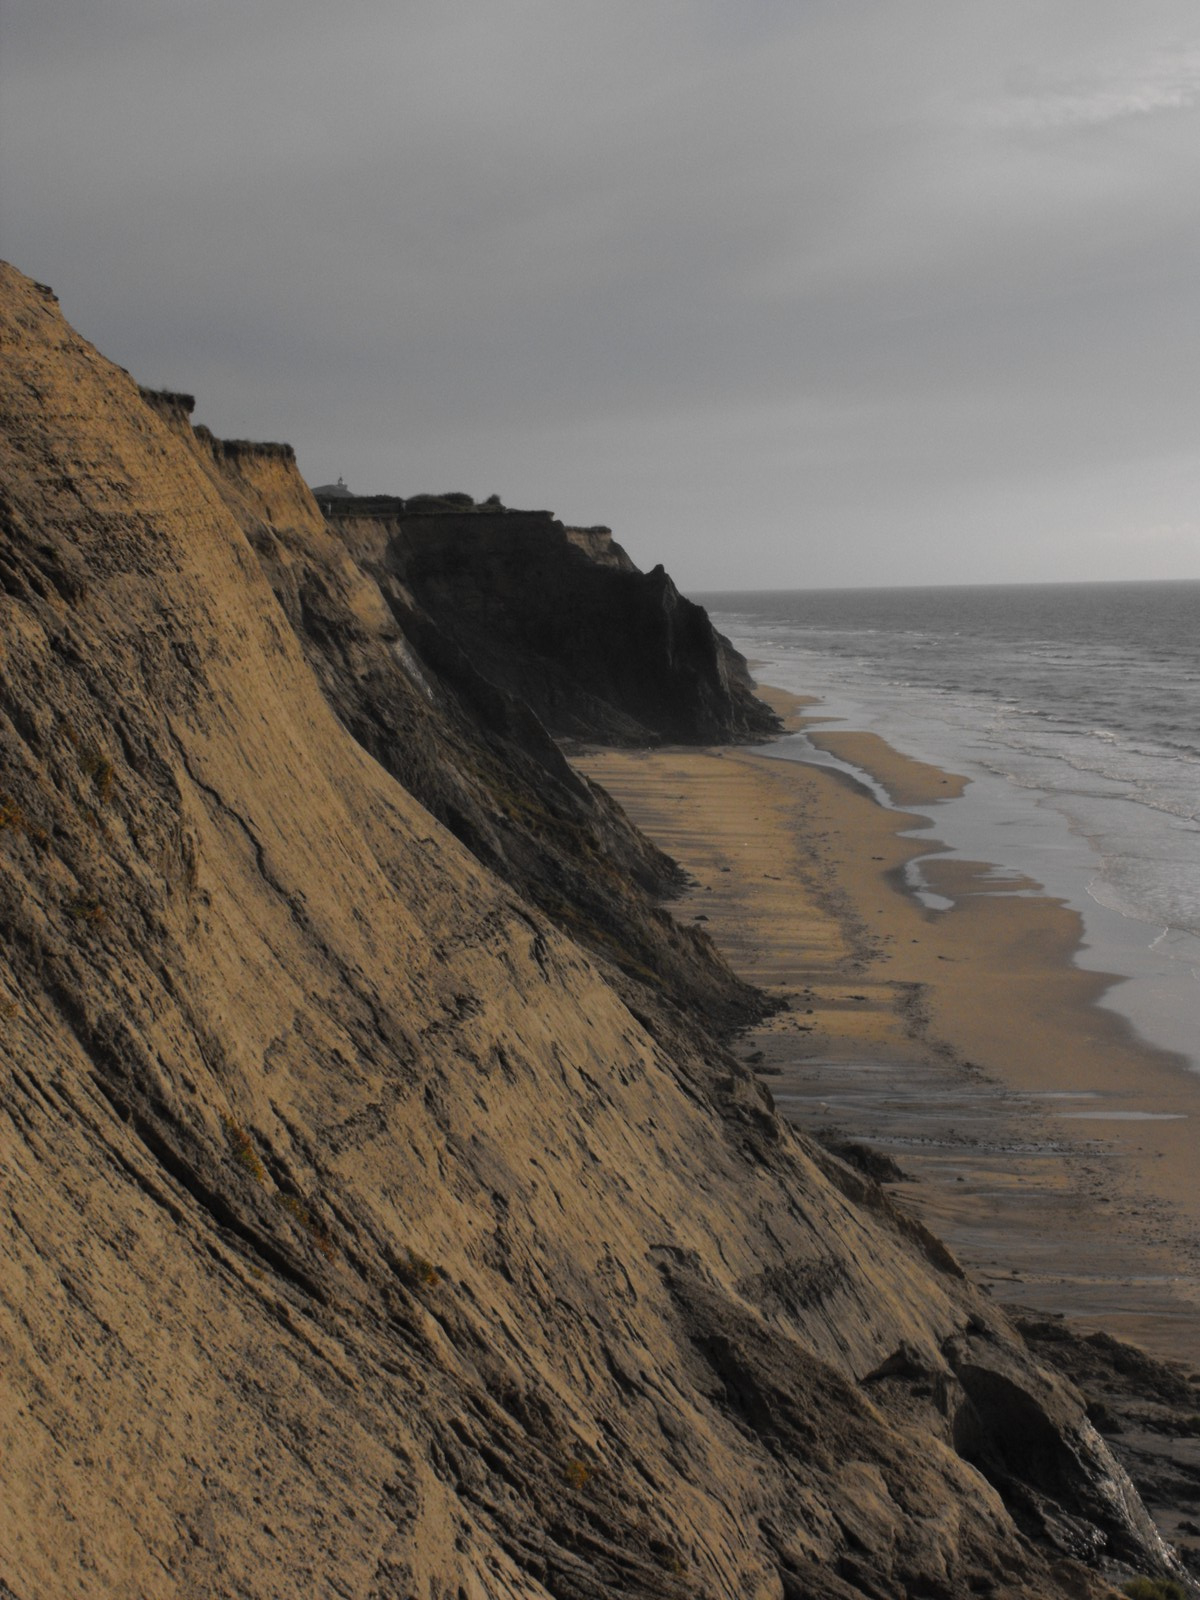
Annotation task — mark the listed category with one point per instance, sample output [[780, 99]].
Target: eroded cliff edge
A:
[[366, 1233], [560, 617]]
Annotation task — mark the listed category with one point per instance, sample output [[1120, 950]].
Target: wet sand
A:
[[1052, 1149]]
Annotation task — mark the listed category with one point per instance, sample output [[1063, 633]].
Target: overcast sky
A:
[[789, 292]]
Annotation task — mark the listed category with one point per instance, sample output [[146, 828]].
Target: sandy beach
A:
[[1053, 1149]]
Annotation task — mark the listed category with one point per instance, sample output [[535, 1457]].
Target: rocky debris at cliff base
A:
[[1147, 1410]]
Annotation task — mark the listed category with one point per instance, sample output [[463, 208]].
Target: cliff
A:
[[559, 617], [473, 754], [364, 1232]]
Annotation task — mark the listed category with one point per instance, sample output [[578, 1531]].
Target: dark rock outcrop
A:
[[1148, 1412], [561, 618]]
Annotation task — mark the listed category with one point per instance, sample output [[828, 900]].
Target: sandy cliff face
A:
[[357, 1237], [471, 753]]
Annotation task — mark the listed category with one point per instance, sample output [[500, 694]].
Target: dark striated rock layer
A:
[[561, 618]]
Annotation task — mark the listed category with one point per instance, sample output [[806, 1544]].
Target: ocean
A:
[[1074, 711]]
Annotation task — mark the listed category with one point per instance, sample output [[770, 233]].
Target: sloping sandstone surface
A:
[[358, 1237], [473, 754]]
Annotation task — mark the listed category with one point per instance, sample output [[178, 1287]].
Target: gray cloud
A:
[[840, 292], [1168, 81]]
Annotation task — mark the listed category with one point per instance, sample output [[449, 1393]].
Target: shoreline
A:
[[1041, 1138], [1102, 817]]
